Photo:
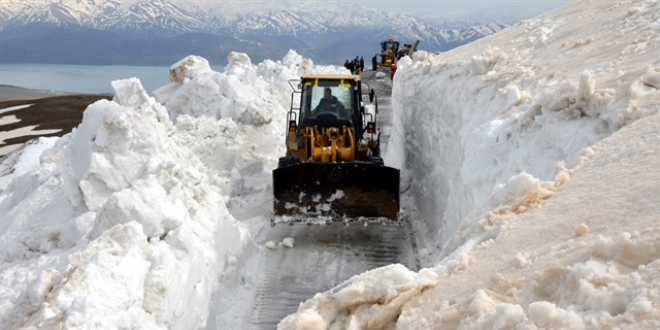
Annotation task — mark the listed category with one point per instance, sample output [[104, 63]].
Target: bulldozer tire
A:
[[287, 161], [374, 160]]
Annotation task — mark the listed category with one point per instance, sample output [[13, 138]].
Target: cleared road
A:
[[322, 257]]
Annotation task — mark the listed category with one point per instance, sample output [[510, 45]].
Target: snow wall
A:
[[528, 99], [123, 222]]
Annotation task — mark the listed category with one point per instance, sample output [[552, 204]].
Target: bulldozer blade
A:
[[339, 191]]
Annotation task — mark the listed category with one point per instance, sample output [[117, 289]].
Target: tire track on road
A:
[[322, 258]]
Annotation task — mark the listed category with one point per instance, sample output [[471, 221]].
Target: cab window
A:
[[314, 92]]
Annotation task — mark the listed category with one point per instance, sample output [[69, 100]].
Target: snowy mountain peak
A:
[[326, 31]]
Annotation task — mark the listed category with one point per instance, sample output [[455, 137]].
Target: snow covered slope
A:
[[203, 16], [154, 32]]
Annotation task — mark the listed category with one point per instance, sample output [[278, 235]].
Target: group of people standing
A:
[[356, 65]]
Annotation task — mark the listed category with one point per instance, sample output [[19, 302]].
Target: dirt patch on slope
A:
[[59, 112]]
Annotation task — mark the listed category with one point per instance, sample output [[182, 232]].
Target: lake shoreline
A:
[[77, 79], [13, 93]]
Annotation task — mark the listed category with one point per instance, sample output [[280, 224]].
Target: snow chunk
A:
[[188, 68], [652, 80], [271, 245], [519, 190], [288, 242], [548, 315], [292, 59], [480, 65], [339, 194], [236, 59], [372, 299], [581, 230], [239, 64], [586, 87]]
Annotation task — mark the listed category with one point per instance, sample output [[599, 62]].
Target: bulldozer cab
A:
[[389, 49], [330, 101], [389, 45]]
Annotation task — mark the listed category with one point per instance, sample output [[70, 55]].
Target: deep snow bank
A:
[[123, 223], [99, 232], [528, 99]]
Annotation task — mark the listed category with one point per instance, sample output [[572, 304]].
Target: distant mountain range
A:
[[160, 32]]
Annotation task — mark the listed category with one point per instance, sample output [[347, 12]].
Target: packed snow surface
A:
[[531, 154]]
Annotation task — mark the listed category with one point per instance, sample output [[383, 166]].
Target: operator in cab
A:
[[330, 102]]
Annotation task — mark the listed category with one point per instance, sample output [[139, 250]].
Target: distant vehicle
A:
[[332, 171], [407, 50], [390, 49]]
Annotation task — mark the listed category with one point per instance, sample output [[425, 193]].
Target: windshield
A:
[[390, 45], [327, 100]]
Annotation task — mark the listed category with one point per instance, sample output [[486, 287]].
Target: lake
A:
[[86, 79]]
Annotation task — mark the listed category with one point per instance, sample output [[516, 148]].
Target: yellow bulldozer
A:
[[389, 50], [332, 170]]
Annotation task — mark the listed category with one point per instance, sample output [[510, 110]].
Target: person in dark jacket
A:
[[361, 63], [403, 51], [329, 102], [356, 64], [374, 62]]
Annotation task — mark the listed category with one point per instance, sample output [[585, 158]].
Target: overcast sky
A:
[[452, 7]]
